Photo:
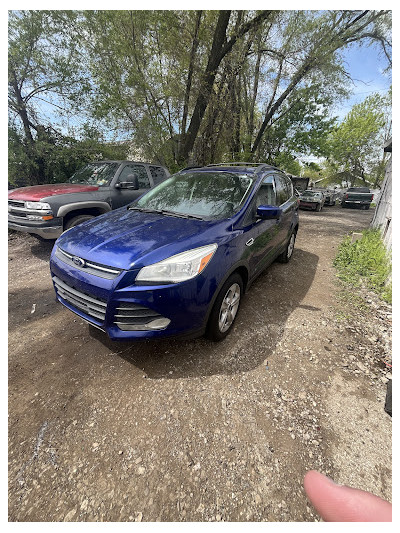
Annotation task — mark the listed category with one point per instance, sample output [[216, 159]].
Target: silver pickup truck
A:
[[99, 187]]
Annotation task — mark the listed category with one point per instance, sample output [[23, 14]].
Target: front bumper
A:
[[308, 205], [177, 309], [46, 231]]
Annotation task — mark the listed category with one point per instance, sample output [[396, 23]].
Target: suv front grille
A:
[[93, 307], [88, 266]]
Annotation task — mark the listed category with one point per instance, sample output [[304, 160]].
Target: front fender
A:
[[65, 209]]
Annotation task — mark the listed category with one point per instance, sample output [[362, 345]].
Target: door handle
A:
[[250, 242]]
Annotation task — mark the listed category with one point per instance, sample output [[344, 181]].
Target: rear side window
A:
[[282, 189], [289, 185], [157, 173], [140, 171], [266, 193]]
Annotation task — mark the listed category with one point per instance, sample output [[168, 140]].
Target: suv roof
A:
[[233, 167]]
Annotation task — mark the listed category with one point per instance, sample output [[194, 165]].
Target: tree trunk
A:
[[206, 87], [220, 48], [190, 71]]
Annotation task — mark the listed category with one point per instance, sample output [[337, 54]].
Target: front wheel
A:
[[288, 252], [74, 221], [225, 309]]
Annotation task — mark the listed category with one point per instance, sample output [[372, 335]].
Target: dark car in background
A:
[[178, 260], [357, 197], [312, 200], [99, 187]]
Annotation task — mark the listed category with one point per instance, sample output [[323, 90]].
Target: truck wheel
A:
[[74, 221], [225, 309]]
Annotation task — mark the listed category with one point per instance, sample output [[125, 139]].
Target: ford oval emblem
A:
[[78, 261]]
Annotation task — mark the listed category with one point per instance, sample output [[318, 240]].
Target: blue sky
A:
[[366, 66]]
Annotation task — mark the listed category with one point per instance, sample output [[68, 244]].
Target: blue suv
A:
[[178, 260]]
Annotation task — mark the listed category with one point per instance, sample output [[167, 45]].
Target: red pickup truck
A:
[[99, 187]]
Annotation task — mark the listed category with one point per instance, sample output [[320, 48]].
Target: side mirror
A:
[[132, 182], [268, 212]]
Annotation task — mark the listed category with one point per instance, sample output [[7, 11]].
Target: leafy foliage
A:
[[183, 86], [357, 143], [365, 261], [61, 156]]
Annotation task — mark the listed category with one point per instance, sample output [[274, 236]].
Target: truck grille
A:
[[16, 203], [88, 266], [129, 316], [93, 307]]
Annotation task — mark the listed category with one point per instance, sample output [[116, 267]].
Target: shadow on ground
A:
[[259, 326]]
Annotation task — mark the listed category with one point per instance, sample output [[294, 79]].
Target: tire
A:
[[285, 256], [388, 399], [225, 309], [74, 221], [319, 207]]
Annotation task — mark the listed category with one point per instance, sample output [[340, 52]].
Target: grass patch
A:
[[365, 262]]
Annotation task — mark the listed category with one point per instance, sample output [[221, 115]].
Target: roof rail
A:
[[190, 167], [236, 163]]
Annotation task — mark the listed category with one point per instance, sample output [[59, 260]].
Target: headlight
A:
[[37, 205], [181, 267]]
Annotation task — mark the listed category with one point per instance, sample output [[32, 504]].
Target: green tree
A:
[[313, 46], [61, 155], [357, 143], [185, 86], [44, 80]]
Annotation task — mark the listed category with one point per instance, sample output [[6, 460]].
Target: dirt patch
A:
[[192, 430]]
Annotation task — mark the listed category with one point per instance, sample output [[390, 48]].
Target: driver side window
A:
[[141, 173]]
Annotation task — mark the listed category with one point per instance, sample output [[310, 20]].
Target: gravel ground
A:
[[193, 430]]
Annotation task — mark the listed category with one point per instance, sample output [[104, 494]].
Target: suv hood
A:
[[129, 239], [39, 192]]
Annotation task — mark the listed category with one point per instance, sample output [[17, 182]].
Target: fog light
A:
[[158, 323], [155, 325]]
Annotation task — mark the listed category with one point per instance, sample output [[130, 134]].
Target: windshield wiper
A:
[[180, 215], [165, 212], [143, 209]]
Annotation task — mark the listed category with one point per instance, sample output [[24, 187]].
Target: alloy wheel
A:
[[229, 307]]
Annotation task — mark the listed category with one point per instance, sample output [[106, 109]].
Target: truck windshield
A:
[[205, 194], [95, 174]]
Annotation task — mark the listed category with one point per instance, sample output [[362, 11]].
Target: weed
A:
[[365, 262]]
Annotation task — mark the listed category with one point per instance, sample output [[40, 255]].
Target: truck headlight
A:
[[37, 205], [180, 267]]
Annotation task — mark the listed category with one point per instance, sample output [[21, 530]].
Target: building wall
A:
[[383, 210]]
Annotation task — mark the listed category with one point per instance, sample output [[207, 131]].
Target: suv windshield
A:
[[204, 194], [95, 174]]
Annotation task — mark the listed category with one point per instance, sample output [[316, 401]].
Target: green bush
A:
[[365, 262]]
